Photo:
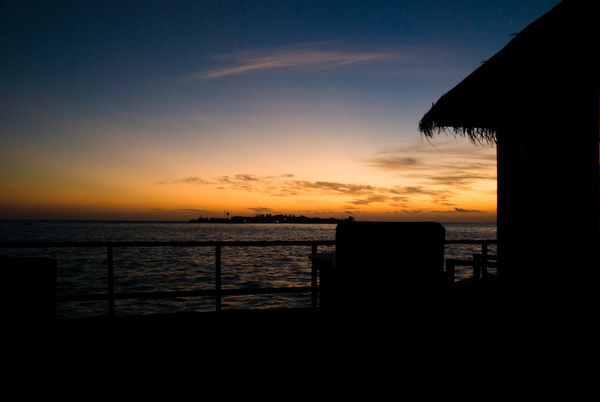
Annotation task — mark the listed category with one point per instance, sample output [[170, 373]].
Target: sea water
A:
[[148, 269]]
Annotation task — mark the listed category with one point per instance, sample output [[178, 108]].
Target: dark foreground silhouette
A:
[[281, 354], [479, 340]]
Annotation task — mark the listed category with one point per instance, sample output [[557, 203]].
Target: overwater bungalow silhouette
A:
[[538, 100]]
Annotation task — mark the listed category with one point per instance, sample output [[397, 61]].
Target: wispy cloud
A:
[[458, 177], [465, 211], [288, 185], [334, 187], [261, 210], [428, 183], [452, 166], [179, 210], [246, 62], [395, 162]]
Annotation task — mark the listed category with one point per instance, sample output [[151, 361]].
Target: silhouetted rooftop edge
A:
[[546, 61]]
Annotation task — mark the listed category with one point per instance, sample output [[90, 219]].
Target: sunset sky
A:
[[172, 110]]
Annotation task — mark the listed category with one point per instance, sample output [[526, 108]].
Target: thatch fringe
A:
[[430, 126], [522, 82], [477, 135]]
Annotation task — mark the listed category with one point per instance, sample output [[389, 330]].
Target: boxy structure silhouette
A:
[[386, 266], [538, 101]]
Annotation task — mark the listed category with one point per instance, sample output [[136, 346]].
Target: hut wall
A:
[[548, 205], [510, 204]]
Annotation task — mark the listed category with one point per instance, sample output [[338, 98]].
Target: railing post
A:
[[450, 271], [218, 278], [314, 279], [484, 259], [477, 266], [111, 281]]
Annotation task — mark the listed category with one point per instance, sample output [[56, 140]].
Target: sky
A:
[[173, 110]]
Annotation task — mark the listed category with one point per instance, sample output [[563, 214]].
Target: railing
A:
[[479, 263], [218, 292]]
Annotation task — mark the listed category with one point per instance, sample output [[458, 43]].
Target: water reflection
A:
[[83, 270]]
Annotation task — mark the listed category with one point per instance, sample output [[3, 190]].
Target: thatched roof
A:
[[532, 76]]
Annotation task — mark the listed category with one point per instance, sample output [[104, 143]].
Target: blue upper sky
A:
[[107, 86]]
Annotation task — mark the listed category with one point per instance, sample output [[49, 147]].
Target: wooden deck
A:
[[292, 354], [481, 338]]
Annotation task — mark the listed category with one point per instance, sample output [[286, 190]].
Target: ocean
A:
[[147, 269]]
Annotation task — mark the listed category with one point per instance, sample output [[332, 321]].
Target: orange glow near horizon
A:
[[268, 111], [451, 181]]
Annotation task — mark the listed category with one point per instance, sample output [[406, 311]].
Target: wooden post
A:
[[111, 281], [314, 280], [218, 278], [476, 266], [484, 259], [450, 270]]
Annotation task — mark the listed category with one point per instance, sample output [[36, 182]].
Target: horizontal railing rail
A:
[[218, 291], [480, 262], [226, 243]]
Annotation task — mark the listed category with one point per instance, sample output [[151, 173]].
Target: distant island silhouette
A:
[[268, 218]]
